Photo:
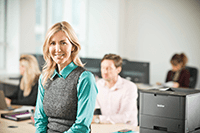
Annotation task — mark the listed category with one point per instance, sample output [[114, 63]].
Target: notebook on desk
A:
[[126, 131], [17, 116], [3, 104]]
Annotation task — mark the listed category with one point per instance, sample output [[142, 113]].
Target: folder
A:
[[17, 116]]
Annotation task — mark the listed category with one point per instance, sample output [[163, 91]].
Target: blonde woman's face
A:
[[60, 49], [22, 69]]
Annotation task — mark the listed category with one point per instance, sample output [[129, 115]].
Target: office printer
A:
[[170, 110]]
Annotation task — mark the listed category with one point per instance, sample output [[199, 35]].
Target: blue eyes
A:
[[53, 43], [63, 43]]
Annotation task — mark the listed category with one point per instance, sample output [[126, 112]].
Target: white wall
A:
[[146, 30], [20, 33], [103, 28], [27, 26], [12, 48], [139, 30], [156, 29]]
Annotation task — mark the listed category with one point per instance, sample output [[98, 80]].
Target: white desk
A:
[[19, 127], [26, 126], [9, 126], [109, 128]]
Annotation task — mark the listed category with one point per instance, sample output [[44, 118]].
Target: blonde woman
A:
[[67, 92], [26, 93]]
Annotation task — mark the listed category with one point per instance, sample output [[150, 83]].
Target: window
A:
[[2, 33], [40, 20], [49, 12]]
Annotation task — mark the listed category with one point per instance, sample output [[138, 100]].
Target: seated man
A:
[[117, 97]]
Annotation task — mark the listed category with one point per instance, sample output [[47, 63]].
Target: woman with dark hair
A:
[[66, 92], [178, 75]]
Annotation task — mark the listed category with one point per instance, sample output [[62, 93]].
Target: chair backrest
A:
[[193, 76]]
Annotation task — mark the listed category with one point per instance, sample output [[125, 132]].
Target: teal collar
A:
[[65, 71]]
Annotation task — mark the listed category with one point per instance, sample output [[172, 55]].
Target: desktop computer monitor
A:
[[137, 72], [92, 65], [40, 60]]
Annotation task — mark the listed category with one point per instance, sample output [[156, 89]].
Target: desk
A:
[[142, 86], [20, 126], [109, 128], [26, 127]]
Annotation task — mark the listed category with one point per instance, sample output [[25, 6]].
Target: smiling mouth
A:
[[59, 55]]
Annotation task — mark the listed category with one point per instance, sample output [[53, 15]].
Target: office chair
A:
[[193, 76]]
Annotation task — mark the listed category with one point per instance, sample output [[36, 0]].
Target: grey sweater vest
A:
[[60, 101]]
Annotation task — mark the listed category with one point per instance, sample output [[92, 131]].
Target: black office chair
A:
[[193, 76]]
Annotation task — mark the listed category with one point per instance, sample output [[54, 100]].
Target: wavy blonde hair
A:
[[50, 65], [31, 73]]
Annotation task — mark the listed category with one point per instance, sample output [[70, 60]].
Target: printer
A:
[[169, 110]]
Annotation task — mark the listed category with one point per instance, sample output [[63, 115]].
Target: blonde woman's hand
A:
[[8, 101]]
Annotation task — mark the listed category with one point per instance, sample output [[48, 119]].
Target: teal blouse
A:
[[86, 93]]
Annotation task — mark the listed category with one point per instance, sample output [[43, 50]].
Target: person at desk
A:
[[117, 97], [26, 93], [178, 75], [67, 92]]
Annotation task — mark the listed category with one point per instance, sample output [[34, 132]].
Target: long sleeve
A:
[[28, 100], [127, 112], [168, 76], [41, 119], [118, 104], [14, 95], [87, 92], [184, 79], [86, 95]]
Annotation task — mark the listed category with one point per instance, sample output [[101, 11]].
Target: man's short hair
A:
[[116, 58]]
